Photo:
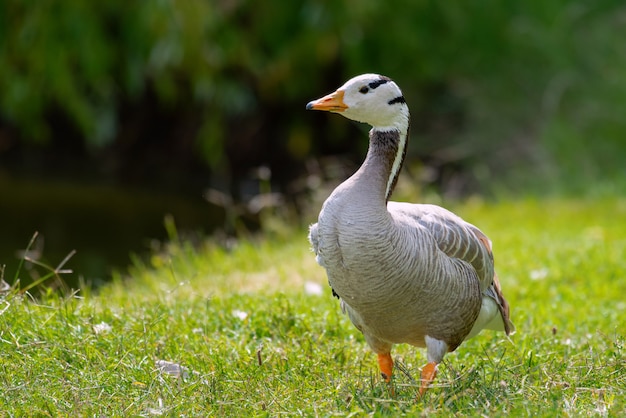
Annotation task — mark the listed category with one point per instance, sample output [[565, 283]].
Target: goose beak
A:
[[331, 103]]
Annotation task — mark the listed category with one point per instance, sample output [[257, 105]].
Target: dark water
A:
[[103, 224]]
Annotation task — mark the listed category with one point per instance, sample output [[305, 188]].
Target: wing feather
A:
[[460, 240]]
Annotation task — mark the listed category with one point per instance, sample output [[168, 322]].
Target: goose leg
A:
[[385, 363], [435, 350], [429, 371]]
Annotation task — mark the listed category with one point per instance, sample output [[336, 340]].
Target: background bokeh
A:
[[113, 114]]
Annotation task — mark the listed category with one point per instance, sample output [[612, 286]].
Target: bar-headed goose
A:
[[405, 273]]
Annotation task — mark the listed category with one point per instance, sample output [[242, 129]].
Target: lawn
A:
[[254, 330]]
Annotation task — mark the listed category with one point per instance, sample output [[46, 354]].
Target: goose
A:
[[404, 273]]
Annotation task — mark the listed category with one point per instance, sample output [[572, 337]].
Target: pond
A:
[[102, 223]]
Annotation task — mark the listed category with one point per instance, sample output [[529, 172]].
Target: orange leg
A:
[[385, 363], [429, 371]]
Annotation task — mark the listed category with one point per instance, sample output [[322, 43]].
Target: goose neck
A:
[[385, 156]]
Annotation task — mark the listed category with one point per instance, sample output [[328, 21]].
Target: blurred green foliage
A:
[[495, 86]]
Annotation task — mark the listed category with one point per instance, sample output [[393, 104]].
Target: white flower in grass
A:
[[102, 328], [239, 314], [312, 288], [539, 274]]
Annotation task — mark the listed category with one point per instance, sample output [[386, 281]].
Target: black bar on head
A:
[[399, 99], [375, 84]]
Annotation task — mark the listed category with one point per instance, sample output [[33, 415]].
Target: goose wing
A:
[[461, 240]]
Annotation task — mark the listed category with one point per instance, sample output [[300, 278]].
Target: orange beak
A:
[[331, 103]]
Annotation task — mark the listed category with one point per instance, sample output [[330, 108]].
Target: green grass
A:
[[254, 342]]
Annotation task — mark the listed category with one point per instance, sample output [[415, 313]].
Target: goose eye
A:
[[364, 89]]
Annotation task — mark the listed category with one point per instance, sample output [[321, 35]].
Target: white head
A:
[[369, 98]]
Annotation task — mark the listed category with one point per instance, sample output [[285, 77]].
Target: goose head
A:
[[369, 98]]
